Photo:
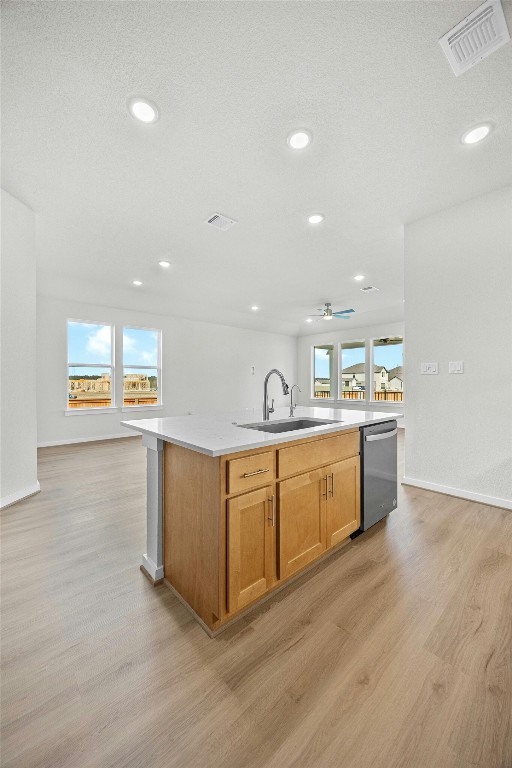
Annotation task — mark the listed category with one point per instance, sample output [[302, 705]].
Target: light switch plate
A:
[[457, 367], [429, 368]]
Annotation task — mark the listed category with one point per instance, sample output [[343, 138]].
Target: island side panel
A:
[[191, 528]]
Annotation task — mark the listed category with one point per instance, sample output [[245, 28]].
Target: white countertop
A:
[[216, 435]]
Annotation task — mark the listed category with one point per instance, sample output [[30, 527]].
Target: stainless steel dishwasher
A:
[[378, 473]]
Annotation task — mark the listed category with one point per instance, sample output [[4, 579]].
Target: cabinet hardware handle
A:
[[332, 484], [380, 436], [258, 472], [326, 491], [272, 506]]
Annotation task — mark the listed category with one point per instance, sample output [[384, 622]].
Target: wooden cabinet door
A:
[[343, 501], [301, 531], [249, 547]]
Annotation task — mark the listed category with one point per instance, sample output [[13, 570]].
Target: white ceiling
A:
[[231, 81]]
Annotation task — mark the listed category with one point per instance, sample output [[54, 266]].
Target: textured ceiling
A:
[[231, 80]]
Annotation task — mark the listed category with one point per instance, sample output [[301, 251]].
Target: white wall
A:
[[354, 333], [205, 367], [18, 464], [458, 289]]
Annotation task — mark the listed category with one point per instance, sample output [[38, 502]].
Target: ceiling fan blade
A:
[[342, 317], [343, 312], [315, 315]]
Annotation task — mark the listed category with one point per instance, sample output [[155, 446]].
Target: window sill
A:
[[129, 408], [88, 411], [349, 401], [386, 402]]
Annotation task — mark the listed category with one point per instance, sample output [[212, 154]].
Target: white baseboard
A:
[[481, 498], [13, 498], [85, 440], [155, 571]]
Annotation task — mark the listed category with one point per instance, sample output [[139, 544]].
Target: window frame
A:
[[372, 398], [333, 379], [368, 400], [340, 371], [91, 409], [158, 366]]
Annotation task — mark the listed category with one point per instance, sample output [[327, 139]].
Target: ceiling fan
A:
[[328, 314]]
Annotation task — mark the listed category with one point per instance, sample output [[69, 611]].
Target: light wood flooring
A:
[[394, 653]]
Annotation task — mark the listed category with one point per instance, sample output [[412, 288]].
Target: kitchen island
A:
[[235, 513]]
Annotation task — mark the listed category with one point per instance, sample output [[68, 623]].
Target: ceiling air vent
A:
[[369, 289], [475, 37], [220, 221]]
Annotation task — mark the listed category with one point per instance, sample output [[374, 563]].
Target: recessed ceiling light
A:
[[165, 264], [309, 320], [254, 309], [315, 218], [476, 134], [359, 277], [137, 282], [143, 110], [299, 139]]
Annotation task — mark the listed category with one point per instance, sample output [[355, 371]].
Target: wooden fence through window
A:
[[395, 397]]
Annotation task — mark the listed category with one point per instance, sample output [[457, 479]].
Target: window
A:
[[141, 367], [323, 385], [388, 377], [353, 370], [90, 365]]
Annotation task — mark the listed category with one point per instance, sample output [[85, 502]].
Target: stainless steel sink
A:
[[288, 425]]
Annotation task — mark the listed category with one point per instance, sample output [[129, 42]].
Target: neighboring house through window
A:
[[388, 357], [353, 370]]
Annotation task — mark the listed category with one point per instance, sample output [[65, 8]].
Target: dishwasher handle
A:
[[381, 436]]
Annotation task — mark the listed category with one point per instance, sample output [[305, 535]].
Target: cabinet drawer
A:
[[305, 456], [250, 472]]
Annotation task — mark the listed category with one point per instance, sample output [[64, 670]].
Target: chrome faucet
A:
[[266, 409], [292, 406]]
